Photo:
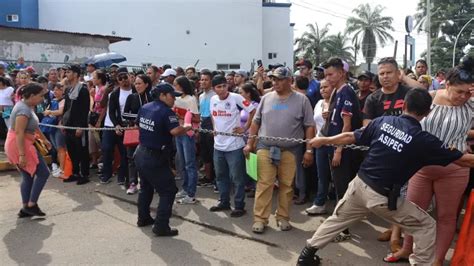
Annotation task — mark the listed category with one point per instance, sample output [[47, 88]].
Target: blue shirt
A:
[[205, 103], [398, 149], [313, 92], [155, 121], [344, 102]]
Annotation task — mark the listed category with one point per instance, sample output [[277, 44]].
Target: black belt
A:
[[377, 188]]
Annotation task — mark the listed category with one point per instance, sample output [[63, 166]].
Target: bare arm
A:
[[341, 139], [179, 130], [248, 124], [467, 160], [470, 134]]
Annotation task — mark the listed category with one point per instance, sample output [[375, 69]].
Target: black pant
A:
[[132, 169], [78, 150], [155, 174], [343, 174]]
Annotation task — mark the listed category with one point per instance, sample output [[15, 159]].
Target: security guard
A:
[[157, 125], [398, 149]]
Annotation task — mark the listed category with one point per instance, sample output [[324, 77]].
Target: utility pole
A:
[[428, 31]]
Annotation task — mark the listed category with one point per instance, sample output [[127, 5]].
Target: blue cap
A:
[[163, 88]]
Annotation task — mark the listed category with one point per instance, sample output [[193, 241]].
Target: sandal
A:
[[390, 258], [385, 236], [395, 246], [258, 227], [284, 225]]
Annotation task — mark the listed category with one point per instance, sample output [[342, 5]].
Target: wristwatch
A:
[[309, 151]]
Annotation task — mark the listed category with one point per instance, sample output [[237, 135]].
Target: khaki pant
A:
[[267, 173], [359, 200]]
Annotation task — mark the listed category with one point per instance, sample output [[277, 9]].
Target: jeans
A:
[[186, 153], [132, 169], [230, 168], [78, 150], [31, 186], [109, 141], [300, 177], [324, 174], [155, 174]]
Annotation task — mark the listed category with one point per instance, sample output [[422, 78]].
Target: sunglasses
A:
[[122, 77]]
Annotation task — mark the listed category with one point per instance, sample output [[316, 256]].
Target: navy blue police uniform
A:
[[398, 149], [152, 158]]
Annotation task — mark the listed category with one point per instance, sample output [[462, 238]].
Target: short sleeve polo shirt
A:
[[398, 149], [155, 121]]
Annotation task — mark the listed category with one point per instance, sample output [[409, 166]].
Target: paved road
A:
[[95, 224]]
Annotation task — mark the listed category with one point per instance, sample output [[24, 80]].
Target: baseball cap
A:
[[319, 68], [281, 73], [114, 65], [163, 88], [218, 80], [168, 72], [242, 73], [365, 74], [304, 62], [74, 68], [122, 70]]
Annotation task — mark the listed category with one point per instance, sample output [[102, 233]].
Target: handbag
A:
[[131, 137], [93, 118], [41, 147]]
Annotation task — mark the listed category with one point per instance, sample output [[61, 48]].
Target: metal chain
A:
[[207, 131]]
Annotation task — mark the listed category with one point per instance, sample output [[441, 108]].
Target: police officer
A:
[[157, 125], [398, 149]]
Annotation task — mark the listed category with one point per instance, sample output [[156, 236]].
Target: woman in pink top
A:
[[97, 115], [20, 149]]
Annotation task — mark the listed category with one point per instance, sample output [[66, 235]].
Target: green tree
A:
[[337, 46], [447, 19], [370, 28], [312, 43]]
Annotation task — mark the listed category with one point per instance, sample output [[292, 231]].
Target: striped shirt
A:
[[450, 124]]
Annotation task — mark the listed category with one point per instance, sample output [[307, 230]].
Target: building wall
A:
[[178, 32], [277, 36], [27, 11], [48, 49]]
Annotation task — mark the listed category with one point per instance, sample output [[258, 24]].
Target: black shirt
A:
[[398, 149], [380, 104]]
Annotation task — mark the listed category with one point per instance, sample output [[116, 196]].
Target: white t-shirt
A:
[[6, 96], [122, 99], [226, 117], [318, 116]]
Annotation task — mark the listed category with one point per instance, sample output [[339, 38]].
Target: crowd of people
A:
[[165, 104]]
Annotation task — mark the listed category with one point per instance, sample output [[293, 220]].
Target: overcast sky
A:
[[336, 13]]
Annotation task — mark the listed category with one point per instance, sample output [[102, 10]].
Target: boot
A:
[[308, 257]]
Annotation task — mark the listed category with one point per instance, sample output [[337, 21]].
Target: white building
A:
[[215, 34]]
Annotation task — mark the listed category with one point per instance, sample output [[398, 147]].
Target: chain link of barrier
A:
[[208, 131]]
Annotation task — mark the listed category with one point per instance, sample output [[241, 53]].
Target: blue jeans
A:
[[230, 169], [300, 178], [186, 152], [31, 186], [324, 173], [155, 174], [109, 141]]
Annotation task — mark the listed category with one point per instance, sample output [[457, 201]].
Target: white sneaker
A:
[[56, 172], [132, 189], [54, 167], [315, 210], [181, 194], [186, 200]]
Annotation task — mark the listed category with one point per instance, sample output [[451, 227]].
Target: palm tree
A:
[[372, 27], [313, 42], [337, 46], [356, 45]]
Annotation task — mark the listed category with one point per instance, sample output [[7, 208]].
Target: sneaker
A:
[[54, 166], [342, 237], [33, 211], [181, 194], [72, 178], [132, 189], [316, 210], [238, 213], [219, 208], [186, 200], [56, 172], [93, 166], [216, 190], [22, 214], [204, 182], [168, 232], [106, 181]]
